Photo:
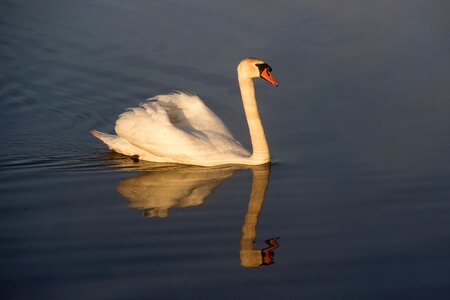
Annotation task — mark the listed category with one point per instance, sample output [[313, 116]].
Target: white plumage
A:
[[179, 128]]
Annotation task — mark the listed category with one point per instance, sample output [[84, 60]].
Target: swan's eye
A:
[[264, 67]]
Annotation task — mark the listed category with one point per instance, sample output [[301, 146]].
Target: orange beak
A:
[[265, 74]]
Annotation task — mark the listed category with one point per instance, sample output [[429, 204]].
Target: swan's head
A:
[[253, 67]]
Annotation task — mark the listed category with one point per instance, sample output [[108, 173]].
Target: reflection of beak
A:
[[268, 252], [267, 76], [267, 257]]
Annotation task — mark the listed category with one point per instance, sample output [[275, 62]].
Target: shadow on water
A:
[[160, 187]]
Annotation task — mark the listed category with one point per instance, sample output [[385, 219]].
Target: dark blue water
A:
[[359, 192]]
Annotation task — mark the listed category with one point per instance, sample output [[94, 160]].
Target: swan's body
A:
[[179, 128]]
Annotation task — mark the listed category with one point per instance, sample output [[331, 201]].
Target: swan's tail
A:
[[121, 145], [108, 139]]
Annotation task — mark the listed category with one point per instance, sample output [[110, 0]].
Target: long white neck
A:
[[260, 147]]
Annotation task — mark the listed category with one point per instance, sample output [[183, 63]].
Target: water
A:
[[358, 194]]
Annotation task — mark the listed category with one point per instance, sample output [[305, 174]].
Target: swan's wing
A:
[[177, 126], [188, 112]]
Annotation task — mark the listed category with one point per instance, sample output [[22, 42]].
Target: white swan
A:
[[179, 128]]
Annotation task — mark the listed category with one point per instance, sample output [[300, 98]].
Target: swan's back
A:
[[178, 127], [188, 112]]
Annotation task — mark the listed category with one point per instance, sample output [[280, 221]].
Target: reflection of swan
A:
[[179, 186], [179, 128], [161, 187], [251, 257]]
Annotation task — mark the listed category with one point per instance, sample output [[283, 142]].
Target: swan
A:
[[180, 128]]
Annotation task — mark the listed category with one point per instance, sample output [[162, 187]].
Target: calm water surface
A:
[[359, 194]]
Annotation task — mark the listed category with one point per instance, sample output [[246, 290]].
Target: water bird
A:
[[179, 128]]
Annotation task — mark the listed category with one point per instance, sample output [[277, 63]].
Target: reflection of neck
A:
[[249, 256], [260, 147]]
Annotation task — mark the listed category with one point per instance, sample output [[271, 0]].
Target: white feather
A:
[[179, 128]]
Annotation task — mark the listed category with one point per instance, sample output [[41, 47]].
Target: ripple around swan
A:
[[44, 163]]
